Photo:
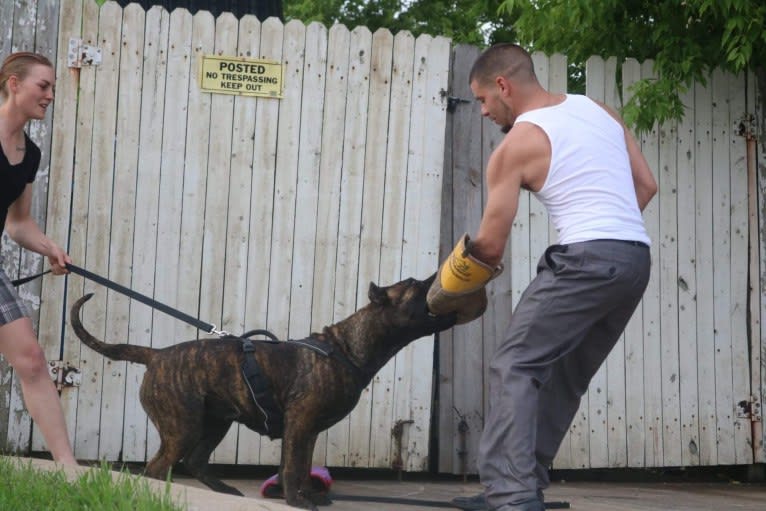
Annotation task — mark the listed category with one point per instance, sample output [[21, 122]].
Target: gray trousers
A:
[[565, 325]]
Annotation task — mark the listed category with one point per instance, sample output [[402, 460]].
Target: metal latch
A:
[[749, 409], [64, 374], [82, 54]]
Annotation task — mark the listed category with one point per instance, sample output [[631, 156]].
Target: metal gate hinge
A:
[[80, 55], [746, 127], [749, 409], [64, 374]]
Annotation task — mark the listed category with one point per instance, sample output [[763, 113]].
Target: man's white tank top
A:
[[589, 191]]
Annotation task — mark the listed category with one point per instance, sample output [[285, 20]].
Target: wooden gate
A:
[[245, 212], [672, 391]]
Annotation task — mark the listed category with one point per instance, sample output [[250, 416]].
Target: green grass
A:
[[26, 488]]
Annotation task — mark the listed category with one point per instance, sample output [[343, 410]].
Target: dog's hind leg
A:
[[197, 458]]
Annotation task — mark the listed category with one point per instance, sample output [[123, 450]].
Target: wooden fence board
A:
[[157, 27], [722, 270], [328, 209], [370, 241], [352, 183], [703, 182], [651, 302], [392, 235], [687, 289], [122, 226]]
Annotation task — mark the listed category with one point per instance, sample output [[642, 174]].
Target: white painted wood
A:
[[216, 247], [722, 270], [667, 268], [307, 188], [392, 235], [653, 426], [704, 200], [422, 239], [615, 362], [283, 236], [157, 27], [251, 444], [99, 220], [328, 207], [370, 241], [687, 289], [234, 282], [634, 336], [169, 277], [128, 102], [597, 73], [352, 185]]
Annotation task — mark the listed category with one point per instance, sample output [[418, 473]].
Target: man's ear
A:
[[504, 85], [377, 294]]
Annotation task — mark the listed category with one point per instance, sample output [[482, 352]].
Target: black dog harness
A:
[[260, 387]]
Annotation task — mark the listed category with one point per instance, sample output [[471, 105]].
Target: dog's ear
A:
[[377, 294]]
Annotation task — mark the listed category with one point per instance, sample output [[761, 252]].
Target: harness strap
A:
[[260, 389], [328, 350]]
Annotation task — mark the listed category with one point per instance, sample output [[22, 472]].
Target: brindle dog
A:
[[195, 390]]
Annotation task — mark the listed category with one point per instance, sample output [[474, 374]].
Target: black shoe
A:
[[474, 503]]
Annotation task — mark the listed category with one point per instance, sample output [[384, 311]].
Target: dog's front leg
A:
[[295, 469]]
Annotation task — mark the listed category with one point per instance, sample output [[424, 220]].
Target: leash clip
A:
[[219, 333]]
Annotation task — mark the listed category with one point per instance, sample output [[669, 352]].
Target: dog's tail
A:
[[129, 352]]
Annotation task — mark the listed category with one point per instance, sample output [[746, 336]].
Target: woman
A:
[[26, 91]]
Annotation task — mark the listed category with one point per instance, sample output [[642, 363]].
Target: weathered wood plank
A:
[[169, 276], [218, 265], [653, 425], [123, 204], [722, 270], [597, 73], [251, 445], [705, 342], [687, 288], [328, 209], [372, 219], [634, 336], [392, 235], [99, 219], [352, 183], [157, 27]]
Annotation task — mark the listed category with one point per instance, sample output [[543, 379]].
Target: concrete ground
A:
[[582, 496]]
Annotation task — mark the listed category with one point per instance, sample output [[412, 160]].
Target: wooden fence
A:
[[273, 213], [670, 392], [277, 213]]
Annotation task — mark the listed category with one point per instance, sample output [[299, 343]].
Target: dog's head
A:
[[403, 305]]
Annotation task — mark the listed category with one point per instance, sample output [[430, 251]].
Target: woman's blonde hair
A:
[[18, 64]]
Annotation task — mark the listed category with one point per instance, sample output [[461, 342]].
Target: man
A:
[[579, 160]]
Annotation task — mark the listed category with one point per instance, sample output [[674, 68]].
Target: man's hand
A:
[[459, 285]]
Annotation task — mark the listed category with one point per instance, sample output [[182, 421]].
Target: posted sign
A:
[[243, 76]]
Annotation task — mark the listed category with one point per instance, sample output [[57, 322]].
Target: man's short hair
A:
[[503, 59]]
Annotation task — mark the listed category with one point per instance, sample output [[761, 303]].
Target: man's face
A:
[[34, 93], [494, 98]]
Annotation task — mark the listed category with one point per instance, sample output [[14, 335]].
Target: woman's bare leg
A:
[[20, 347]]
